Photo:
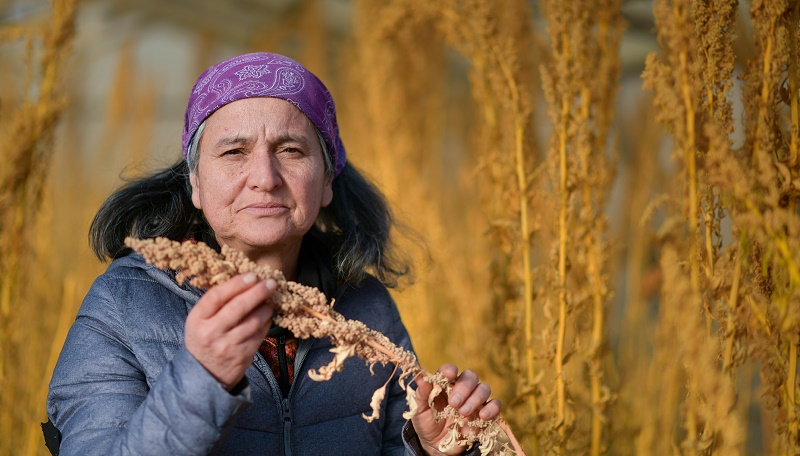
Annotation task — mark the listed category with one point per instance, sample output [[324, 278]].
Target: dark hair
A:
[[359, 222], [356, 226], [156, 205]]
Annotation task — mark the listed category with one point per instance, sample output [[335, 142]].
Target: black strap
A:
[[52, 437]]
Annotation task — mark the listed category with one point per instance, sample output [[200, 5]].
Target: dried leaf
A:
[[342, 353], [435, 391], [449, 442], [322, 375], [375, 403], [411, 400], [486, 446]]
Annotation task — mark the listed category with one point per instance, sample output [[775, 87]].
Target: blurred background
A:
[[457, 111]]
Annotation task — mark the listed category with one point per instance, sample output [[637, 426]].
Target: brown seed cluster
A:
[[301, 309], [197, 262], [305, 311]]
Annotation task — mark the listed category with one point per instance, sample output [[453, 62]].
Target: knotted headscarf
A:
[[263, 74]]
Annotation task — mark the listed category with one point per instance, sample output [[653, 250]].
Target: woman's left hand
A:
[[469, 396]]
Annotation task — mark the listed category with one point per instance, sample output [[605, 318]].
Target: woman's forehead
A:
[[243, 122], [261, 111]]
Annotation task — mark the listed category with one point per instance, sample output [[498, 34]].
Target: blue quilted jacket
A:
[[124, 383]]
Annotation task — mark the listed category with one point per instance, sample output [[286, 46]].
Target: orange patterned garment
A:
[[271, 350]]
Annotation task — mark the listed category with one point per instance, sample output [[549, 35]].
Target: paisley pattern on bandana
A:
[[264, 74], [252, 71]]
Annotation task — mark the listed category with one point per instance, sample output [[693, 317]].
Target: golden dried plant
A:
[[579, 76], [710, 266], [498, 45], [691, 80], [762, 188], [754, 186], [27, 144], [305, 311], [435, 192]]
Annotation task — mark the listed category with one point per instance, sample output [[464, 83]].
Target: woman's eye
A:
[[292, 150], [232, 152]]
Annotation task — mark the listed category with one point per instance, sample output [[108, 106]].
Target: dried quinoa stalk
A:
[[305, 311]]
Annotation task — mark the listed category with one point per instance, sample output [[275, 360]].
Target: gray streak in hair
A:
[[193, 155]]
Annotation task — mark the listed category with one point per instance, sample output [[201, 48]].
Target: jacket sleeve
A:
[[101, 402], [414, 447]]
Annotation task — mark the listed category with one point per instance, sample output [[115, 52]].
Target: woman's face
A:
[[260, 180]]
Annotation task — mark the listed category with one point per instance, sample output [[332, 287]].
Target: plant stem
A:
[[525, 232], [794, 54], [709, 221], [597, 341], [562, 257], [794, 158], [766, 88], [522, 184], [691, 162], [417, 372], [372, 343], [595, 279], [690, 157], [791, 388], [733, 305]]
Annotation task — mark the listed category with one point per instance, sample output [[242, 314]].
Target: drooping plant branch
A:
[[305, 311]]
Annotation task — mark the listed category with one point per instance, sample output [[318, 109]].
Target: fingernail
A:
[[455, 400], [249, 278], [271, 284], [466, 410]]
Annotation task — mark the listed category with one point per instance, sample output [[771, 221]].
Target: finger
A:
[[219, 295], [463, 389], [254, 325], [491, 410], [450, 371], [243, 304], [477, 398], [422, 392]]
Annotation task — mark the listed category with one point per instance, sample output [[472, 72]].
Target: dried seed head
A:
[[305, 311]]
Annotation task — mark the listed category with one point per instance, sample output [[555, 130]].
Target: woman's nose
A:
[[264, 172]]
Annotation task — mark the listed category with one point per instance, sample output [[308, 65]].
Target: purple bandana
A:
[[263, 74]]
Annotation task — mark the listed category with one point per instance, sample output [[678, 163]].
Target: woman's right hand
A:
[[227, 325]]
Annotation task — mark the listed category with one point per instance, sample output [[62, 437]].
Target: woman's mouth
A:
[[265, 209]]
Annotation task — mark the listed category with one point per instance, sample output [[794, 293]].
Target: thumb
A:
[[423, 391]]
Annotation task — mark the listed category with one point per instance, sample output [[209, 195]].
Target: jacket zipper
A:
[[284, 366], [287, 427], [303, 347]]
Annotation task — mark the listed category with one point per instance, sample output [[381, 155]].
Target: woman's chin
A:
[[264, 243]]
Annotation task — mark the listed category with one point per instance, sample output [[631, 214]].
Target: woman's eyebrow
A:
[[227, 141], [287, 138], [232, 141]]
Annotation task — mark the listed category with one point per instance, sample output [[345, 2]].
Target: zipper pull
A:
[[287, 428], [287, 412]]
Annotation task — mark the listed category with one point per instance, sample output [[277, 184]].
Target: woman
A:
[[150, 367]]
